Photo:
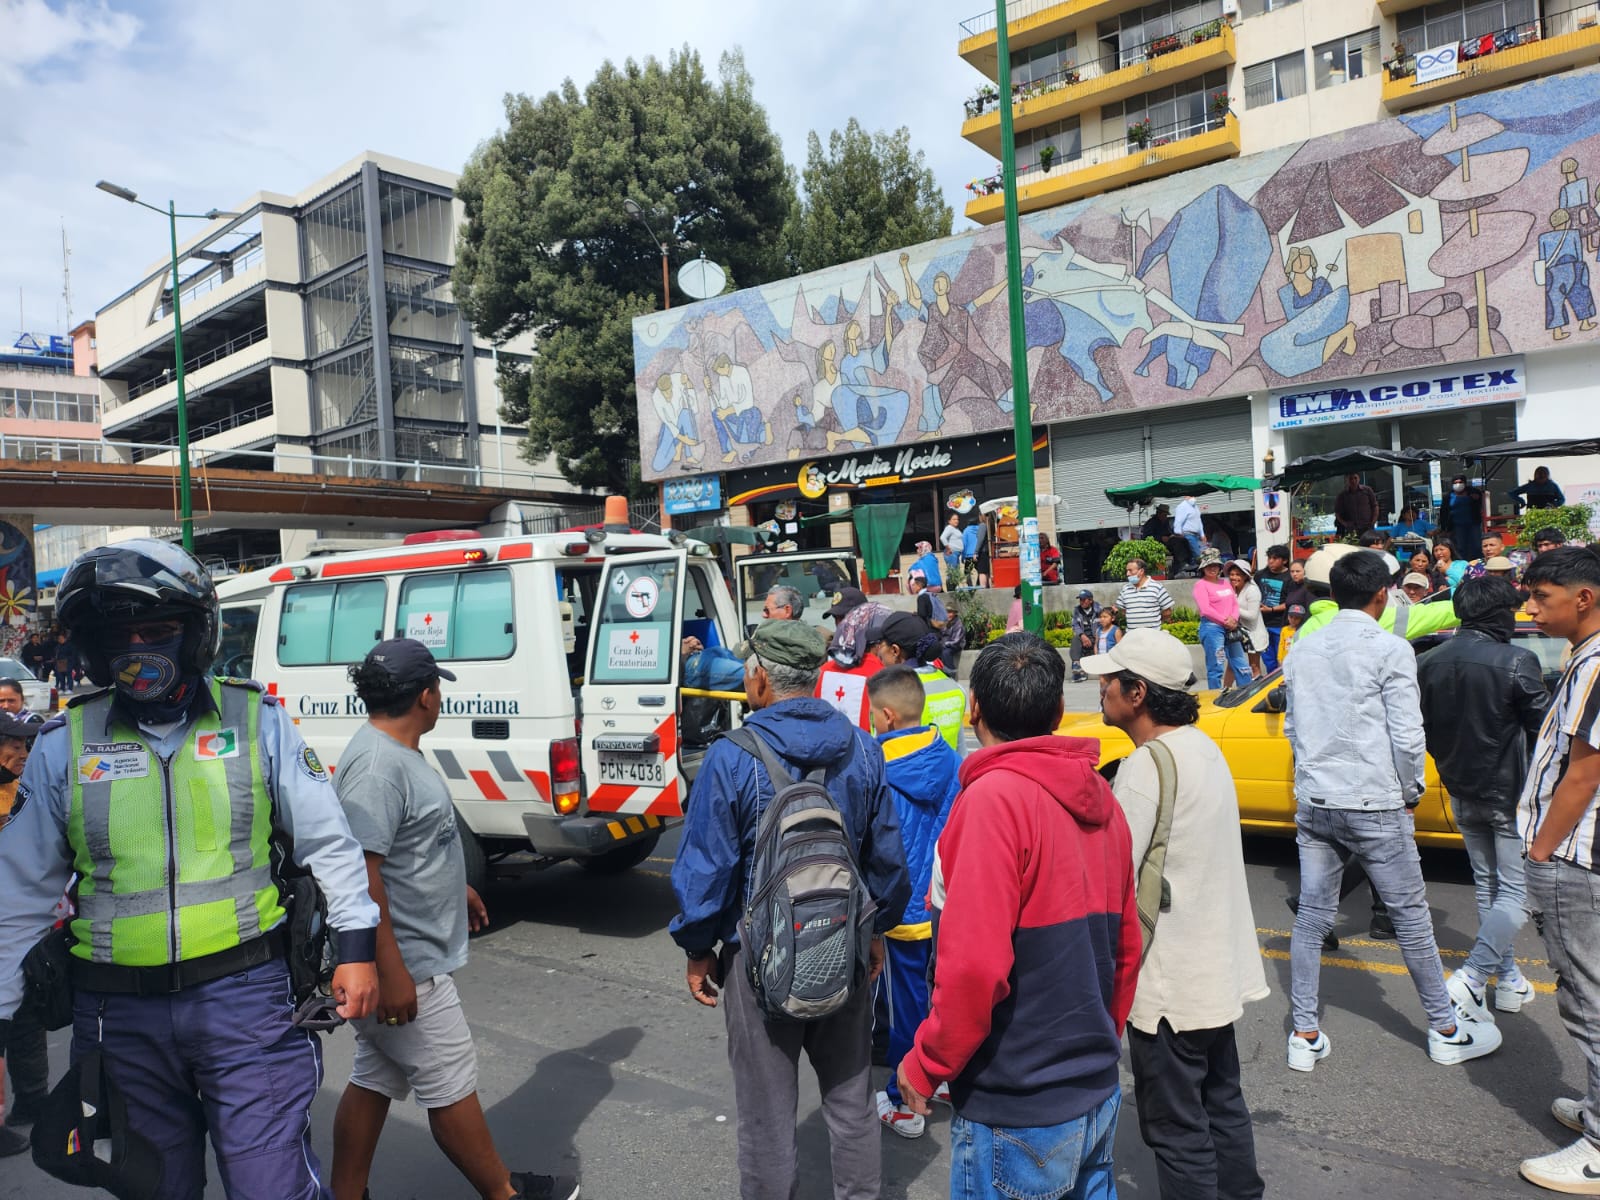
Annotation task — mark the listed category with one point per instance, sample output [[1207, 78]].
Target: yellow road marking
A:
[[1381, 968], [652, 874], [1373, 944]]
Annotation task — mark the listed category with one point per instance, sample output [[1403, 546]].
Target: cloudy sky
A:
[[207, 101]]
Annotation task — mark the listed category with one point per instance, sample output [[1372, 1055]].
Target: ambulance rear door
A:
[[630, 730]]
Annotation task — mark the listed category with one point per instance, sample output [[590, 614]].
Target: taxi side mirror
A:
[[1275, 701]]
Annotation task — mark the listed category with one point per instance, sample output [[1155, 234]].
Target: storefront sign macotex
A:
[[916, 463], [1498, 381], [700, 493]]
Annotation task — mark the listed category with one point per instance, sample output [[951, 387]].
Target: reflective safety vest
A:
[[944, 704], [173, 853]]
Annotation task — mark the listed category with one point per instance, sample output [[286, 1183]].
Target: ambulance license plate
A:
[[635, 769]]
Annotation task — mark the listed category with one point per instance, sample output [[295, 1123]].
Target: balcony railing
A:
[[987, 97], [985, 21], [1139, 138], [211, 280], [191, 365], [1481, 46]]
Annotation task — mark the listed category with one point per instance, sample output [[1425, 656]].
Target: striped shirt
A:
[[1574, 713], [1143, 606]]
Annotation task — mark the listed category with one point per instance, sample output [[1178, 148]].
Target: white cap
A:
[[1321, 563], [1415, 579], [1152, 654]]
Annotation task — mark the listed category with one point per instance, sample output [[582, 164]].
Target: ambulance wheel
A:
[[617, 861], [472, 851]]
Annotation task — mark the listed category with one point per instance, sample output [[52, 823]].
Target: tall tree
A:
[[869, 193], [549, 247]]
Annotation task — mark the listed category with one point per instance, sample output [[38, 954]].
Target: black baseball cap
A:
[[1082, 592], [14, 727], [407, 662], [844, 600]]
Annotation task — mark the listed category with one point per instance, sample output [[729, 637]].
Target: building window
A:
[[1063, 138], [1182, 110], [427, 384], [416, 223], [333, 233], [1457, 20], [1045, 61], [338, 313], [344, 391], [1343, 59], [1127, 39], [1254, 8], [1278, 79], [420, 304]]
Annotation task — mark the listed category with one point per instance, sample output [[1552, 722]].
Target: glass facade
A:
[[1045, 61], [338, 313], [417, 223], [344, 391], [420, 304], [1455, 20], [1128, 36], [1173, 112], [427, 384], [1343, 59], [333, 233], [37, 404], [1063, 136]]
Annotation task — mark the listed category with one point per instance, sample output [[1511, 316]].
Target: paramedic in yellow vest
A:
[[904, 637], [161, 793]]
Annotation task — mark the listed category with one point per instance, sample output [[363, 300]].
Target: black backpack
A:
[[806, 931]]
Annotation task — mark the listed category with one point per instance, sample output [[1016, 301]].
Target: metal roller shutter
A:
[[1086, 457], [1217, 443]]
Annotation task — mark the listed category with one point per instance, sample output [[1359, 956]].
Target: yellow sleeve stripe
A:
[[909, 744], [919, 932]]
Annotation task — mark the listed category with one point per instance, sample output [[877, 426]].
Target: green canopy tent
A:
[[1180, 485], [879, 528]]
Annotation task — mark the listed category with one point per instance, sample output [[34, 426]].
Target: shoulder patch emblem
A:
[[311, 764]]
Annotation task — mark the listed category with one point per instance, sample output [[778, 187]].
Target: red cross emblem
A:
[[427, 619], [634, 636], [839, 695]]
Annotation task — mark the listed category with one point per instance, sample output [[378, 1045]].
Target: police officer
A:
[[161, 792]]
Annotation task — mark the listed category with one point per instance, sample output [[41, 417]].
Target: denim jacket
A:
[[1354, 717]]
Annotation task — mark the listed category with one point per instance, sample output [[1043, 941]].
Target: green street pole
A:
[[185, 498], [1021, 410]]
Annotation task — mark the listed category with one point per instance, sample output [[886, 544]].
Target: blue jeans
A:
[[1495, 851], [1269, 656], [1197, 545], [1070, 1161], [1221, 653], [1384, 842]]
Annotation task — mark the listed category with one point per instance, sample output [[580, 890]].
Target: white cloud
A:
[[207, 102]]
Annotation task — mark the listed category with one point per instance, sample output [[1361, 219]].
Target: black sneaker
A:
[[25, 1111], [543, 1187], [12, 1142], [1382, 927]]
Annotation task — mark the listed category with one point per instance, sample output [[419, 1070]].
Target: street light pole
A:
[[1021, 408], [637, 214], [185, 495]]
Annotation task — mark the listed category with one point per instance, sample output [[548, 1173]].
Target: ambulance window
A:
[[459, 614], [331, 622], [634, 637], [239, 622]]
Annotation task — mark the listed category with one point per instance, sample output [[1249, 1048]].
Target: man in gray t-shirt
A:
[[417, 1040]]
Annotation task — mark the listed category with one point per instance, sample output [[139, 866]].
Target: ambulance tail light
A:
[[565, 765]]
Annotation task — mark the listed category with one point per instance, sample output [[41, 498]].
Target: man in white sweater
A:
[[1201, 960]]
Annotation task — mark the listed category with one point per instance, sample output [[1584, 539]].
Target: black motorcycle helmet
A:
[[142, 579]]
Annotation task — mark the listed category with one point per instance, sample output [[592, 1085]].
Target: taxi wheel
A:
[[476, 861], [617, 861]]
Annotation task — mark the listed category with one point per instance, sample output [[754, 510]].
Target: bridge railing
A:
[[35, 449]]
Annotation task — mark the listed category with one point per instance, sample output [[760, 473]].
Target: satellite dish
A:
[[701, 279]]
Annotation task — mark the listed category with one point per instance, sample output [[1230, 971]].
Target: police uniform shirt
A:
[[36, 858]]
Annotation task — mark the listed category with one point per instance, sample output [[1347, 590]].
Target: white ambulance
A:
[[565, 732]]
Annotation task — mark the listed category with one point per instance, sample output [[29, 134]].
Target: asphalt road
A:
[[594, 1060]]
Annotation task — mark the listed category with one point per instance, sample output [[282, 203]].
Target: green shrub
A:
[[1153, 552], [1058, 620], [1572, 519], [996, 632], [1187, 632], [976, 618], [1184, 613], [1061, 639]]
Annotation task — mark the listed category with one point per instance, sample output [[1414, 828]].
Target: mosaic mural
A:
[[1450, 235]]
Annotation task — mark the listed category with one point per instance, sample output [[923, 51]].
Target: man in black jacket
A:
[[1482, 702], [1085, 616]]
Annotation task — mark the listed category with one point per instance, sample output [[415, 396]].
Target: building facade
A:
[[319, 335], [1424, 280], [1112, 92]]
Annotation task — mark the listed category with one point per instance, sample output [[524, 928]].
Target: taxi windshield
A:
[[1250, 691]]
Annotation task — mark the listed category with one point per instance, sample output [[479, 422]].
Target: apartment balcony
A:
[[1129, 159], [1558, 41], [1086, 86], [248, 357], [1029, 22], [1393, 8]]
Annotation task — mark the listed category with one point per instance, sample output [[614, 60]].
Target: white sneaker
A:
[[1511, 995], [942, 1093], [1470, 1040], [1304, 1055], [898, 1118], [1574, 1170], [1471, 1004], [1568, 1112]]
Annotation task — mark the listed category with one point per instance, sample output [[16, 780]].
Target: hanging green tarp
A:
[[1180, 485], [879, 528]]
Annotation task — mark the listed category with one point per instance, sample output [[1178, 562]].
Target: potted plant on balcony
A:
[[1047, 156], [1205, 32], [1221, 104], [1139, 133], [1164, 45]]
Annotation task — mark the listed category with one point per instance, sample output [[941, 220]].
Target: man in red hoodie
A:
[[1038, 946]]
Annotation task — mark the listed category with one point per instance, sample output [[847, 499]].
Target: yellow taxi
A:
[[1250, 733]]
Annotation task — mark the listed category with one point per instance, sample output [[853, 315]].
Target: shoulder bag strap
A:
[[1152, 891]]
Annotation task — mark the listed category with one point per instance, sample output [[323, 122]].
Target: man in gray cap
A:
[[1085, 616], [711, 876]]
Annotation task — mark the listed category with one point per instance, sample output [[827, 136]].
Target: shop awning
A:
[[1312, 467], [1180, 485], [1538, 448], [728, 535]]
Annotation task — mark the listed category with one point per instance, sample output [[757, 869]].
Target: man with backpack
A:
[[1201, 963], [1037, 947], [792, 810]]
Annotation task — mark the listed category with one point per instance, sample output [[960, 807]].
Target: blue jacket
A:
[[928, 564], [923, 779], [711, 872], [714, 669]]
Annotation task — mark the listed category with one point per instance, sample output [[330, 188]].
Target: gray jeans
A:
[[1569, 899], [1384, 843], [1495, 851], [765, 1058]]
